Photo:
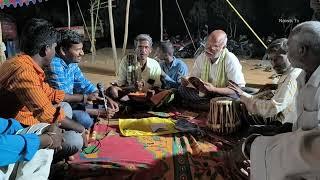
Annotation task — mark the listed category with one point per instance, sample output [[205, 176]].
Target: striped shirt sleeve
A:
[[33, 92]]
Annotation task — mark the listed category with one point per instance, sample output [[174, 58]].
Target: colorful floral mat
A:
[[177, 156]]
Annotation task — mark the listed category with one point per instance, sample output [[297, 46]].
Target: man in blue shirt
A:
[[65, 74], [18, 144], [172, 68]]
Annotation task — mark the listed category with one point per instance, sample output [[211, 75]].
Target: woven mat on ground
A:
[[177, 156]]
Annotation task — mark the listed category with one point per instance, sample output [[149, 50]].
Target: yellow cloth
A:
[[222, 79], [144, 126]]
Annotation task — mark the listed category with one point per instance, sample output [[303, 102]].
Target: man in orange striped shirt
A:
[[24, 93]]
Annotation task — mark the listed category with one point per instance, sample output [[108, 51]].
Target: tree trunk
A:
[[113, 42], [126, 27]]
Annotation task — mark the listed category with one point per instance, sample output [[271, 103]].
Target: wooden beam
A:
[[113, 42], [126, 29]]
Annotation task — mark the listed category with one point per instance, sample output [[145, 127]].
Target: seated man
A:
[[31, 145], [137, 68], [172, 68], [28, 98], [294, 155], [65, 74], [285, 97], [215, 66]]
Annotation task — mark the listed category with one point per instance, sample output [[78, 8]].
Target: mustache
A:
[[281, 66], [207, 51]]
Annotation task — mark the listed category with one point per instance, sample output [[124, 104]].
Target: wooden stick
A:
[[84, 22], [97, 15], [125, 38], [93, 48], [113, 42], [245, 22], [69, 16], [161, 22], [2, 55], [184, 21]]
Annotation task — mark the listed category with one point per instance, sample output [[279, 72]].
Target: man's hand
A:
[[94, 96], [114, 90], [109, 113], [268, 87], [102, 112], [184, 81], [235, 163], [113, 105], [207, 87], [232, 85], [139, 85], [52, 137], [85, 137]]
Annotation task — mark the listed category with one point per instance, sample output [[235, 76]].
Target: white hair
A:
[[225, 40], [308, 34], [143, 37]]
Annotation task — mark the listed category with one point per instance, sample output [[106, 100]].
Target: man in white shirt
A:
[[138, 67], [286, 95], [294, 155], [215, 67]]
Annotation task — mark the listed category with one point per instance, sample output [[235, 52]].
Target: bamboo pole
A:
[[93, 48], [161, 21], [97, 16], [86, 28], [126, 27], [2, 55], [113, 42], [184, 21], [245, 22], [84, 22], [69, 16]]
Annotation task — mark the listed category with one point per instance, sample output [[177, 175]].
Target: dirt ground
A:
[[102, 69]]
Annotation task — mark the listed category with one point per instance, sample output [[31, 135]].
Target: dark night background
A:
[[262, 15]]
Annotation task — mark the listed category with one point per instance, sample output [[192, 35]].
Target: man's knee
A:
[[67, 109], [73, 143], [82, 118], [188, 93]]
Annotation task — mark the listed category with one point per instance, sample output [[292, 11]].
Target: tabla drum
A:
[[223, 115]]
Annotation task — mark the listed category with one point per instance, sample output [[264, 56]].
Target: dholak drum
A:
[[256, 119], [223, 117]]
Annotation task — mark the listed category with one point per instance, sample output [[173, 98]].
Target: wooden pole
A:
[[245, 22], [113, 42], [126, 28], [161, 21], [69, 16], [93, 48], [2, 55], [97, 15], [87, 30], [184, 21], [84, 22]]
